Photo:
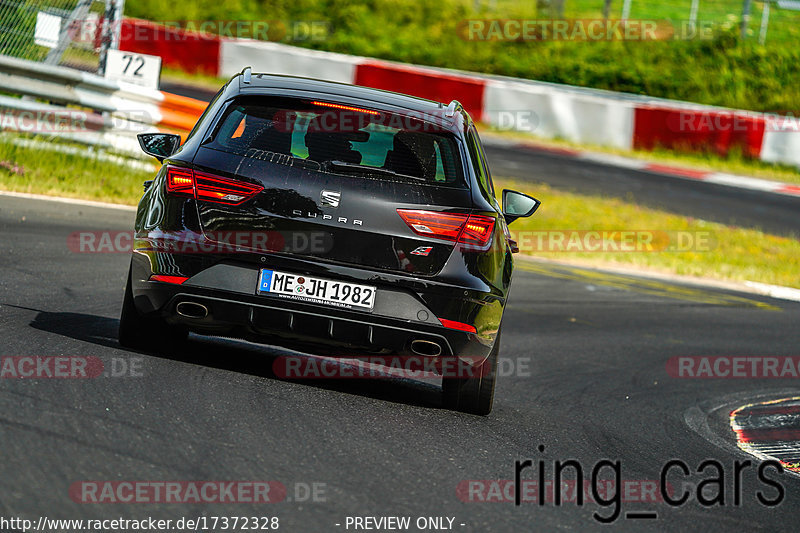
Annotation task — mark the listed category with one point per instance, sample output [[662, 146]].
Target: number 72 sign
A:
[[140, 69]]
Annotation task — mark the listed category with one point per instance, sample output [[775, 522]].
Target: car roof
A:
[[377, 98]]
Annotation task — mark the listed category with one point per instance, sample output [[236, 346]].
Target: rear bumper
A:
[[228, 293]]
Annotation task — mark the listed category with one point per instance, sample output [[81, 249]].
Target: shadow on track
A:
[[237, 356]]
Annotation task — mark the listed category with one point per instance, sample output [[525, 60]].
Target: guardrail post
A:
[[762, 37], [77, 15], [745, 17]]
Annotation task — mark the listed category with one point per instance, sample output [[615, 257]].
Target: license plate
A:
[[316, 290]]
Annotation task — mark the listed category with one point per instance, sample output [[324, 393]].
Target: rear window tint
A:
[[391, 146]]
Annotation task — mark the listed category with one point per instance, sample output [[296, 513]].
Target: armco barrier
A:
[[92, 109], [68, 86], [96, 130]]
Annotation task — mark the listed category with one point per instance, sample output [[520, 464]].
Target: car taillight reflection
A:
[[208, 187]]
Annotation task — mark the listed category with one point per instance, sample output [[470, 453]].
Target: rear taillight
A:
[[434, 224], [470, 230], [208, 187], [477, 231], [217, 189], [180, 181]]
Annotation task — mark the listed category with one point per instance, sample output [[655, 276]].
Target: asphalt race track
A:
[[588, 380], [773, 213]]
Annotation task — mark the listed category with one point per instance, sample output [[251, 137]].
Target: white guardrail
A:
[[77, 106]]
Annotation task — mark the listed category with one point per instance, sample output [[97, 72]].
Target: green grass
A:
[[40, 171], [732, 254], [719, 71], [736, 255]]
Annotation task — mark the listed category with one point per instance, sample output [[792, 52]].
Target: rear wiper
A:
[[354, 167]]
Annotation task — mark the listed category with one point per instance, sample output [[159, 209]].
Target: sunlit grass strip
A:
[[45, 171], [734, 254]]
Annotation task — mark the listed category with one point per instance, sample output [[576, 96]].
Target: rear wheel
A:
[[136, 331], [474, 395]]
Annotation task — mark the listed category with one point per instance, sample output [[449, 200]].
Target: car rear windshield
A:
[[340, 139]]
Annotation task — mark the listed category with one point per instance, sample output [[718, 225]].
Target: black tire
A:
[[136, 331], [474, 395]]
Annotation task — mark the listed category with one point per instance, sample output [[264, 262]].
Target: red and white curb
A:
[[770, 430], [706, 176]]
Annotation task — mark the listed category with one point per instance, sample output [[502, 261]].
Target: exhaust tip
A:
[[426, 348], [191, 310]]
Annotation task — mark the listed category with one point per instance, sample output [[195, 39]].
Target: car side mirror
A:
[[517, 205], [159, 145]]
